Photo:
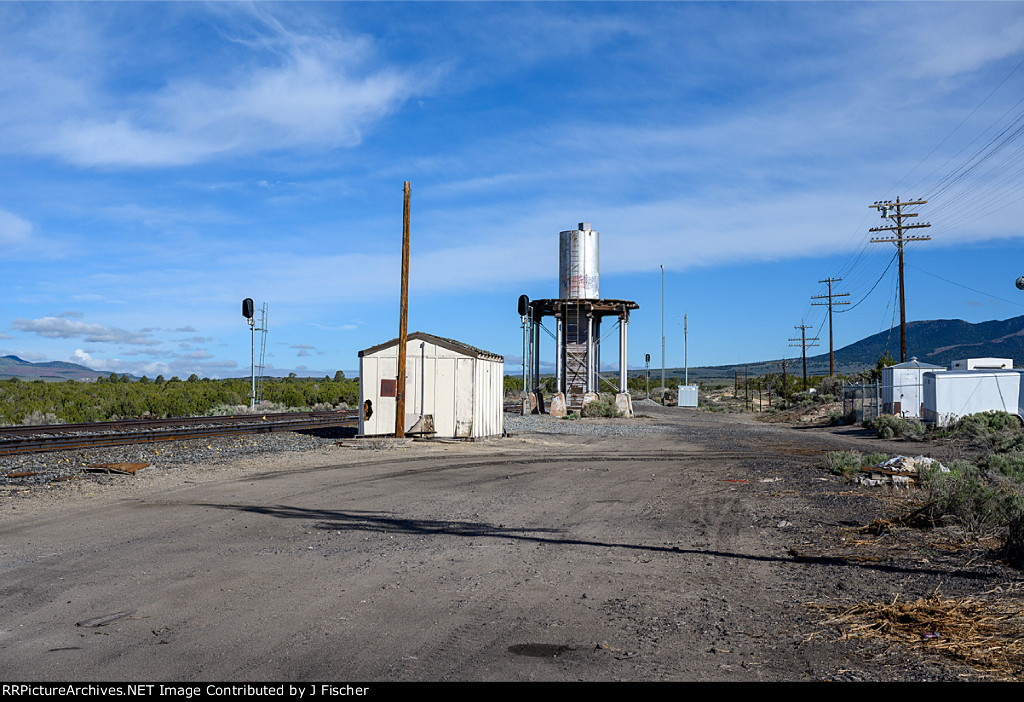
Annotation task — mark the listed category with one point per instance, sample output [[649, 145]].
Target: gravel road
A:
[[679, 546]]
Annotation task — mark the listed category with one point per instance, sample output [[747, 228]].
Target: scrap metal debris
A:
[[118, 468], [920, 518], [987, 635], [899, 471]]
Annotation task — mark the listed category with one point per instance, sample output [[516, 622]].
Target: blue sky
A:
[[161, 162]]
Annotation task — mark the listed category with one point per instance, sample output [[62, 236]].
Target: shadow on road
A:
[[357, 520]]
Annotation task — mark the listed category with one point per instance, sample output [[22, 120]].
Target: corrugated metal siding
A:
[[464, 416], [489, 413], [463, 393]]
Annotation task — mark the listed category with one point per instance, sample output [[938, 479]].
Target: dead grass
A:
[[986, 635]]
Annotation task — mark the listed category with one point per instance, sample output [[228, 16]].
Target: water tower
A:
[[578, 313]]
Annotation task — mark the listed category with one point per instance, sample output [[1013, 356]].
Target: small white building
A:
[[949, 395], [982, 364], [901, 388], [455, 387]]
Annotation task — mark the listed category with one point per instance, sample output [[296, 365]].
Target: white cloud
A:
[[979, 41], [64, 328], [181, 366], [14, 231], [279, 89]]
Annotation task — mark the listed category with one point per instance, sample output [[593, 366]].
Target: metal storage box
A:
[[687, 396]]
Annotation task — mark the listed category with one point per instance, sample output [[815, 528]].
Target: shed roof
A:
[[450, 344], [914, 363]]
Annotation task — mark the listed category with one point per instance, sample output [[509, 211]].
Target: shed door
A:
[[464, 398]]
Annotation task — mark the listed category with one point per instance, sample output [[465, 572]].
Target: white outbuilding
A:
[[901, 388], [982, 364], [949, 395], [452, 389]]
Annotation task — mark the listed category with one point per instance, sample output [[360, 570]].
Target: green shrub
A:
[[118, 397], [984, 424], [1009, 464], [972, 498], [874, 459], [849, 463], [845, 463], [887, 426], [602, 407]]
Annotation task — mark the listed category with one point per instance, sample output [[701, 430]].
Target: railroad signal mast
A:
[[249, 312], [893, 211], [647, 371]]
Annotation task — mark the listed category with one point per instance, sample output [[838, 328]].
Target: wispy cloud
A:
[[14, 231], [64, 328], [280, 88]]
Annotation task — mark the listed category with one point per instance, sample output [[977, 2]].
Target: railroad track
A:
[[54, 437]]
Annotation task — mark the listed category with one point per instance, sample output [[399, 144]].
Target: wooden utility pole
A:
[[830, 303], [885, 207], [403, 324], [747, 388], [803, 345]]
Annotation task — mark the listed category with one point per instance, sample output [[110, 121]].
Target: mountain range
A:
[[938, 342], [14, 367]]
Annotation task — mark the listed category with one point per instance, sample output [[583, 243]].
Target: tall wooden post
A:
[[830, 303], [900, 240], [403, 324]]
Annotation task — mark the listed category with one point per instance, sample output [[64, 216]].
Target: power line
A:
[[953, 282], [955, 129], [856, 304]]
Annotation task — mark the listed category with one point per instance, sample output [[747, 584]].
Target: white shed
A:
[[949, 395], [459, 387], [982, 364], [901, 388]]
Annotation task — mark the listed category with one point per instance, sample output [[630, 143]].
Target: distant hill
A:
[[14, 367], [937, 341]]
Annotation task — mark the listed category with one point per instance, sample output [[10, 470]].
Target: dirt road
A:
[[683, 555]]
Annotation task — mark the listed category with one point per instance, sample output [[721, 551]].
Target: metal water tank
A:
[[578, 263]]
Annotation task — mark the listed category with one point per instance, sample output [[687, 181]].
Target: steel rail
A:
[[80, 440], [142, 424]]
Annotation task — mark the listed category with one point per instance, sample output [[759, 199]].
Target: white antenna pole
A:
[[252, 393], [662, 334]]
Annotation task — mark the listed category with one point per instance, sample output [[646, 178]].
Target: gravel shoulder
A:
[[678, 546]]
